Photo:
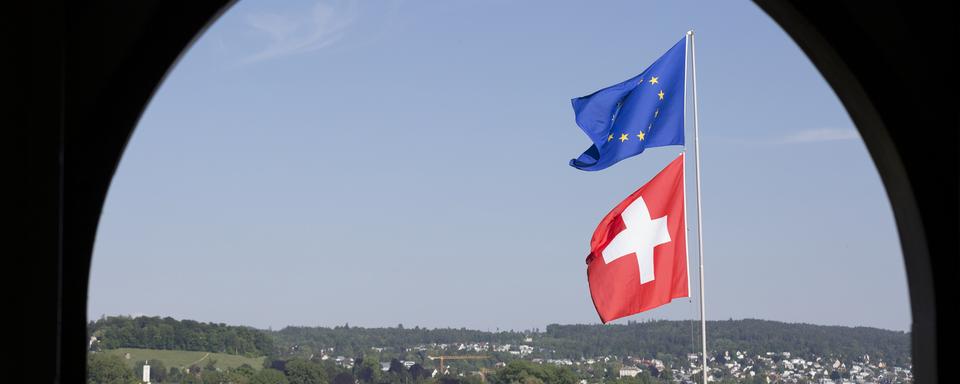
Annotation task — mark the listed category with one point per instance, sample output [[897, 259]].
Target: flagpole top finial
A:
[[690, 33]]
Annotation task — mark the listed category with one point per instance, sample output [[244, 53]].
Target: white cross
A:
[[641, 235]]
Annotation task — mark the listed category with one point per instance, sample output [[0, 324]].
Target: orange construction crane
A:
[[456, 357]]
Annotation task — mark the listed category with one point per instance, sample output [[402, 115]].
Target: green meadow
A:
[[184, 359]]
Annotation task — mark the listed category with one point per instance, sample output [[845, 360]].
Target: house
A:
[[630, 371]]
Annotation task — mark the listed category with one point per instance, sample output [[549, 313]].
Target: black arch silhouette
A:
[[81, 73]]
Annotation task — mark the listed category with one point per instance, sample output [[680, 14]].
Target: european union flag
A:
[[624, 119]]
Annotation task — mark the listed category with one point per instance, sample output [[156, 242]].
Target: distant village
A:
[[632, 353], [729, 366]]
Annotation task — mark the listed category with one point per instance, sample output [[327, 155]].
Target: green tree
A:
[[269, 376], [344, 378], [191, 378], [612, 371], [367, 369], [300, 371], [174, 375], [329, 367], [244, 372], [397, 372], [108, 369], [419, 373], [462, 380], [213, 377], [524, 372], [642, 378], [396, 367]]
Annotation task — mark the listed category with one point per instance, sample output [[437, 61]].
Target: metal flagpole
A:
[[696, 141]]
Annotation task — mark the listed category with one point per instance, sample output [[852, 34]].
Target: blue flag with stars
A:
[[645, 111]]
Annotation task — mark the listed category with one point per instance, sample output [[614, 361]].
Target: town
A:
[[727, 366]]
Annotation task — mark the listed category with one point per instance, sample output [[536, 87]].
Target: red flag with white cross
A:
[[638, 254]]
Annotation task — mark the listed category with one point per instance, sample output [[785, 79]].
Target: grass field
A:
[[183, 359]]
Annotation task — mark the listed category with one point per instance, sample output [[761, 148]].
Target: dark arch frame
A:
[[83, 72]]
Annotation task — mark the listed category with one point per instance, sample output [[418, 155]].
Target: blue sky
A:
[[385, 162]]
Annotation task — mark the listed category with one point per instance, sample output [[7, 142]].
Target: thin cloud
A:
[[821, 135], [292, 34], [802, 137]]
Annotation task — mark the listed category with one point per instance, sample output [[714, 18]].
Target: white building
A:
[[630, 371]]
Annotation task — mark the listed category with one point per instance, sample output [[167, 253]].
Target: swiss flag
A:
[[638, 254]]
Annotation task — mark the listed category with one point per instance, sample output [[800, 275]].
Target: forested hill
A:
[[755, 337], [667, 340], [186, 335], [662, 339]]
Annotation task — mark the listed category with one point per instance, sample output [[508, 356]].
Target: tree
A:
[[417, 372], [524, 372], [396, 367], [300, 371], [245, 371], [108, 369], [344, 378], [191, 378], [654, 372], [367, 369], [269, 376], [278, 364], [613, 371], [329, 368], [462, 380], [175, 375], [168, 333], [239, 375], [213, 377]]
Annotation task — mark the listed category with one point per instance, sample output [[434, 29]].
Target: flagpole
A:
[[696, 141]]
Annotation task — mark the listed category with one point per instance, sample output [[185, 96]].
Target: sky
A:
[[406, 162]]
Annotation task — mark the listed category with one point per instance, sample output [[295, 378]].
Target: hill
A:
[[665, 351], [662, 339], [171, 334]]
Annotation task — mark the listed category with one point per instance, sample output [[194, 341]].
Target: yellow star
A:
[[660, 94], [656, 113], [610, 137], [624, 137], [654, 80], [640, 135]]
